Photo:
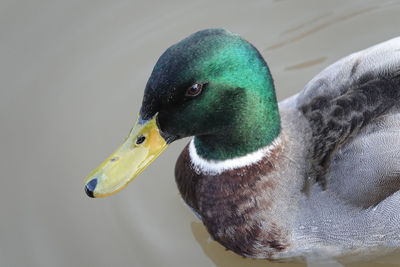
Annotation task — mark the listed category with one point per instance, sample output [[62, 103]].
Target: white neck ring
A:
[[215, 167]]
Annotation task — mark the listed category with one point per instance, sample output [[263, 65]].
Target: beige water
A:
[[72, 75]]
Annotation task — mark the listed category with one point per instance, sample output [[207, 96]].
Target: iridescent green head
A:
[[213, 85], [236, 111]]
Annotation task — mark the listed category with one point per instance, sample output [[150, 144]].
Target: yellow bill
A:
[[143, 145]]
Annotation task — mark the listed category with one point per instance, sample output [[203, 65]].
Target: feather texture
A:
[[343, 130], [352, 107]]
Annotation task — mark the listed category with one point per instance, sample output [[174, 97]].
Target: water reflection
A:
[[327, 21], [223, 258], [306, 64]]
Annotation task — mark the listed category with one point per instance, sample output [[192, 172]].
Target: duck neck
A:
[[256, 126]]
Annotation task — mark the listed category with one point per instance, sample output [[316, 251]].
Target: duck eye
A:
[[194, 90]]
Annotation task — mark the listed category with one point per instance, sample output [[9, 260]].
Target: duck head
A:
[[213, 85]]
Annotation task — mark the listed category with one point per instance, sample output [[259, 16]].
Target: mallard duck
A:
[[318, 172]]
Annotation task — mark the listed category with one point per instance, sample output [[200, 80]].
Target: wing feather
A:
[[353, 110]]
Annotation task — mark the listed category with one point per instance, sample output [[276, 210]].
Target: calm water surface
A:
[[72, 76]]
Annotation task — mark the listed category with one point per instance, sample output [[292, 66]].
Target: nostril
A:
[[140, 139], [89, 187]]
